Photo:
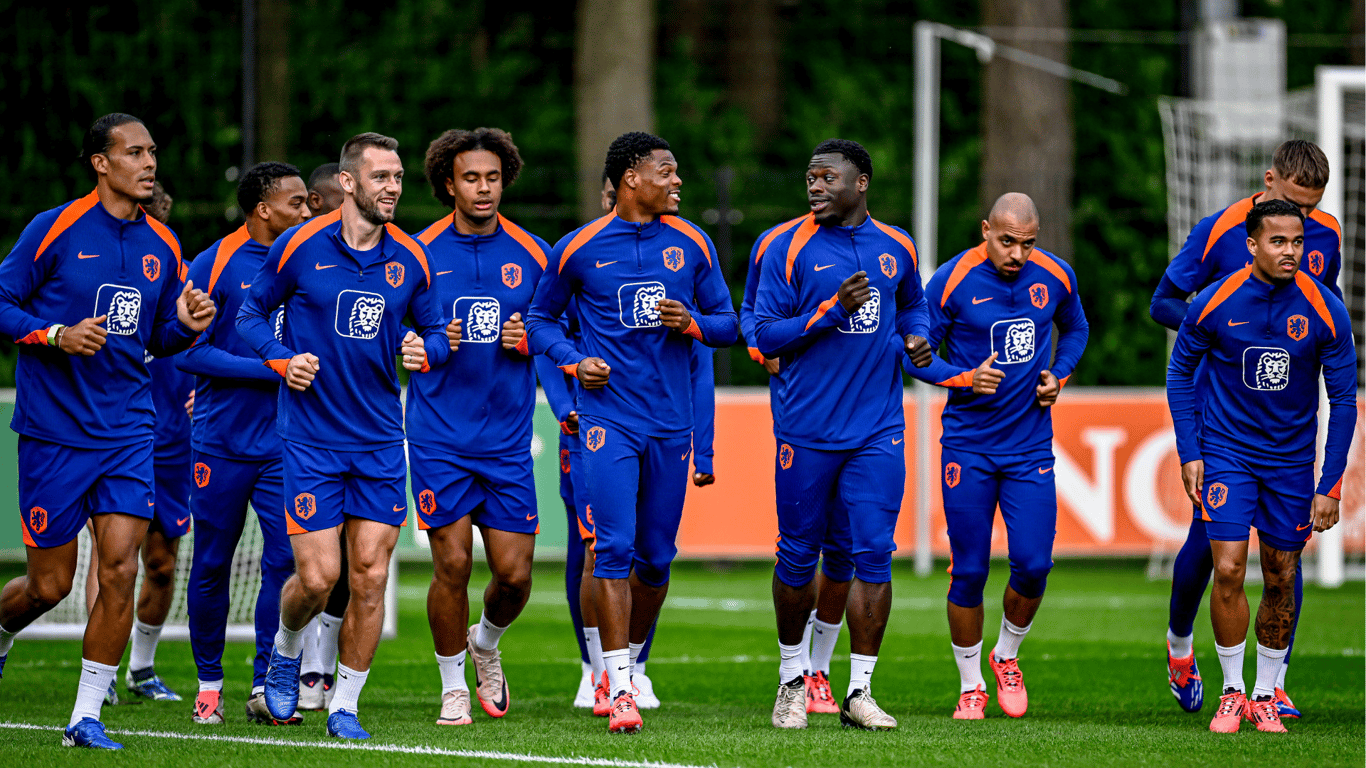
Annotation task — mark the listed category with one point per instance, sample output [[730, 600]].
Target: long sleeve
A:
[[1073, 333], [555, 387], [1192, 343], [1189, 270], [1168, 306], [169, 335], [20, 274], [747, 306], [716, 324], [1339, 378], [548, 304], [703, 408], [269, 289], [430, 323], [778, 328], [204, 359], [912, 314]]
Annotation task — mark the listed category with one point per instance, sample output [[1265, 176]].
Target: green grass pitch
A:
[[1094, 665]]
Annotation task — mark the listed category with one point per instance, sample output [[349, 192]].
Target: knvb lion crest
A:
[[564, 460], [673, 258], [305, 505], [1314, 260], [638, 304], [151, 267], [1217, 495], [595, 438], [426, 501], [481, 317], [201, 474], [1038, 295], [888, 263], [37, 519], [785, 455], [512, 275], [393, 273], [866, 319], [1297, 327], [952, 474]]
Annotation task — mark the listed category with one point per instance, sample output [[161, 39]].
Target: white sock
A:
[[329, 628], [95, 680], [312, 663], [635, 649], [290, 642], [789, 663], [6, 641], [1231, 659], [593, 640], [257, 689], [639, 668], [860, 672], [488, 634], [805, 658], [349, 683], [969, 662], [1180, 647], [452, 672], [144, 650], [1285, 666], [618, 672], [1269, 664], [823, 639], [1008, 643], [211, 685]]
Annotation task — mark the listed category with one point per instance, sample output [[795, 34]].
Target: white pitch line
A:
[[396, 748]]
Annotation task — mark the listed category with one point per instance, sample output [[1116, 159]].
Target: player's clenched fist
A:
[[1323, 514], [854, 292], [514, 330], [86, 337], [1193, 478], [414, 353], [919, 351], [1046, 394], [986, 379], [300, 371], [194, 307], [454, 334], [674, 315], [593, 372]]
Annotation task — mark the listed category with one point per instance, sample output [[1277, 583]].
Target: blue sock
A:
[[1299, 601], [649, 641], [1190, 576], [573, 579]]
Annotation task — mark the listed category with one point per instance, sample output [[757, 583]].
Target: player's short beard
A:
[[368, 208]]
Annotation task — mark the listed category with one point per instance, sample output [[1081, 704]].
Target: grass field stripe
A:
[[397, 748]]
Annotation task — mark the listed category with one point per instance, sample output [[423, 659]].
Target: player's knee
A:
[[49, 589], [317, 579], [452, 567], [160, 571], [1229, 573], [1030, 581], [837, 566], [873, 568], [652, 574], [514, 578], [967, 585], [118, 573]]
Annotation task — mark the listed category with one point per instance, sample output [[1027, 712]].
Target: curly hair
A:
[[440, 162], [627, 151], [1268, 209], [260, 182], [852, 151], [159, 207]]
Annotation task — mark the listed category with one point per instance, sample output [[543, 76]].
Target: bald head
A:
[[1016, 207]]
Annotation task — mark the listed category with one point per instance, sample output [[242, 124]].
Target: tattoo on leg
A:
[[1276, 616]]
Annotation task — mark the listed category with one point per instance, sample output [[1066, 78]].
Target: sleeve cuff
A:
[[756, 355], [279, 366], [693, 330]]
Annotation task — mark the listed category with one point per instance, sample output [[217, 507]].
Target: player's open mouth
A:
[[675, 196], [483, 205], [389, 201], [818, 204]]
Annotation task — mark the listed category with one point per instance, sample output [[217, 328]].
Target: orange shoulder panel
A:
[[585, 234], [900, 238], [690, 231], [960, 270], [1310, 288], [306, 231], [800, 238], [1047, 262], [226, 248], [1231, 217], [778, 230], [77, 209], [416, 250], [1226, 289], [1327, 220], [523, 239], [167, 236], [437, 227]]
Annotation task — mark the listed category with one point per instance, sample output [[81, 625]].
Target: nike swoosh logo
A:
[[621, 669], [1302, 527], [320, 266], [400, 509], [976, 300], [685, 455], [827, 266], [898, 442], [151, 503], [246, 286], [80, 255], [602, 264], [182, 520], [531, 517], [447, 272], [971, 655], [1232, 324], [1045, 470]]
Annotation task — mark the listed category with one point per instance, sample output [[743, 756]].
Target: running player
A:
[[1247, 454], [839, 481], [837, 569], [347, 280], [646, 285], [469, 421], [84, 409], [237, 452], [324, 190], [1215, 249], [996, 304]]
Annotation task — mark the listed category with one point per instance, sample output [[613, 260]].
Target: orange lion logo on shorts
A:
[[888, 263], [151, 267], [426, 501], [201, 474], [785, 454], [1297, 327], [305, 505], [595, 438], [564, 460], [1218, 494], [37, 519], [952, 474]]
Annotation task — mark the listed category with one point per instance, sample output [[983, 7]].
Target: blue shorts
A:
[[499, 492], [574, 487], [221, 489], [1275, 499], [172, 479], [61, 487], [324, 487], [973, 485], [845, 502], [634, 502]]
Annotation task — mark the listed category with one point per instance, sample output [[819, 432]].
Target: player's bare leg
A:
[[1015, 622], [317, 559], [1229, 614], [370, 546], [153, 606], [616, 619], [448, 613], [868, 609], [46, 582], [1274, 626], [509, 557]]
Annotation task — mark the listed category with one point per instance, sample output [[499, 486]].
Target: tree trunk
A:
[[614, 47], [1028, 142], [272, 79], [752, 66]]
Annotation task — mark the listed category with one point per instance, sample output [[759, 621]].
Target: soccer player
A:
[[84, 409], [996, 304], [840, 469], [324, 190], [347, 280], [646, 285], [1215, 249], [837, 569], [1247, 455], [469, 421], [237, 452]]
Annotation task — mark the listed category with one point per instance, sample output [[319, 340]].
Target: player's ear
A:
[[1252, 244], [262, 210], [1269, 177], [862, 183], [346, 181], [986, 230], [100, 162]]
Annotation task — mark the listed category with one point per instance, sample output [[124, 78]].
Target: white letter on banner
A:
[[1092, 501], [1140, 488]]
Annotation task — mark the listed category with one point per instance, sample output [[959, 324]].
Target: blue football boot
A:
[[1184, 677], [147, 684], [89, 732], [282, 685], [344, 725]]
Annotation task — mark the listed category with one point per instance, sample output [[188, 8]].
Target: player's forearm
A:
[[204, 359], [556, 390], [21, 326], [1181, 403], [716, 330], [1342, 421], [437, 345], [1071, 345], [171, 337], [255, 329], [939, 373], [776, 337]]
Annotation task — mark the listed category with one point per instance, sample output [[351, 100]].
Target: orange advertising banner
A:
[[1118, 480]]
